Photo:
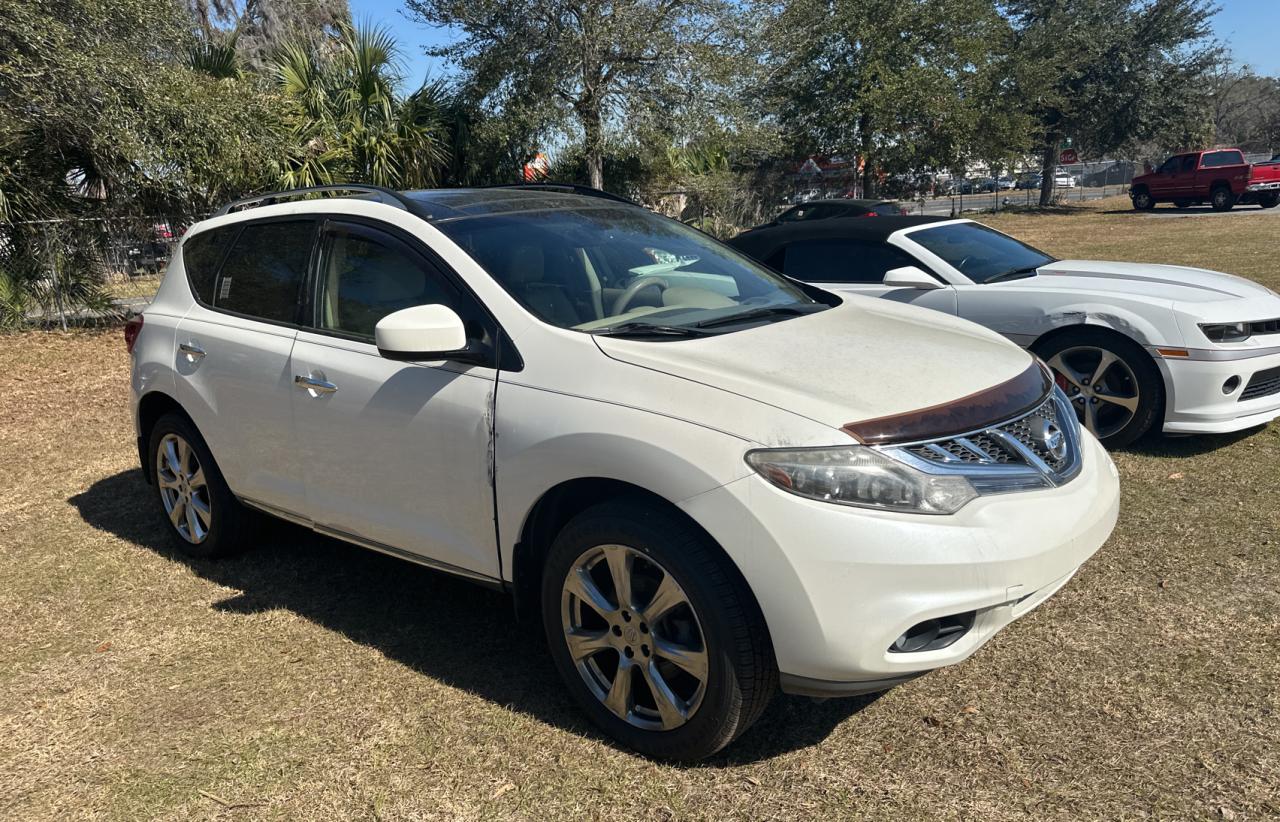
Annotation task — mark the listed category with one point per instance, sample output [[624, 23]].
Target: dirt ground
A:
[[308, 679]]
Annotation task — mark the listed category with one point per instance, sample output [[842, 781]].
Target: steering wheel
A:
[[623, 301]]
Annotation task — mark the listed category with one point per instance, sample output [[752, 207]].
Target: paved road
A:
[[1165, 211]]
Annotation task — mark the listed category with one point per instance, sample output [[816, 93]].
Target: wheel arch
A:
[[561, 503], [151, 407]]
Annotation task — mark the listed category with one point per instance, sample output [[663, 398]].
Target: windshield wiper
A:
[[1013, 273], [760, 313], [639, 328]]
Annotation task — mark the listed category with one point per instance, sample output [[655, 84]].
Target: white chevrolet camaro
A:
[[705, 480], [1136, 346]]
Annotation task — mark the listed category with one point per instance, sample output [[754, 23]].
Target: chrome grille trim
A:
[[1008, 456]]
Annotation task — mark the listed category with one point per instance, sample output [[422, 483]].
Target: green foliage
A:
[[902, 83], [598, 68], [348, 122], [1112, 74]]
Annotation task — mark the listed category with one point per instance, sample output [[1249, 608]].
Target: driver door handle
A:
[[315, 387]]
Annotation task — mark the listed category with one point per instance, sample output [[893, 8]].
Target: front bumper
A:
[[838, 585], [1197, 404]]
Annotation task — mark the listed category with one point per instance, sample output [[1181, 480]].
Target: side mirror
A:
[[910, 276], [423, 332]]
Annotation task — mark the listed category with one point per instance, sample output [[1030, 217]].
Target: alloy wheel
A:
[[183, 489], [1101, 386], [634, 637]]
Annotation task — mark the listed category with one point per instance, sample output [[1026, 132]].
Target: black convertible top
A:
[[760, 242]]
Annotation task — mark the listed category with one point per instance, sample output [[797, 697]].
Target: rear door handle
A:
[[315, 387], [193, 351]]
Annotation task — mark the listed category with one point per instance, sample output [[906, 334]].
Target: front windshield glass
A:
[[980, 253], [606, 269]]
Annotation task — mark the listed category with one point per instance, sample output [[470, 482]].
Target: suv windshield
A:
[[621, 269], [980, 253]]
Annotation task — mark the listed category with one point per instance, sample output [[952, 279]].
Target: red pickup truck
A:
[[1220, 177]]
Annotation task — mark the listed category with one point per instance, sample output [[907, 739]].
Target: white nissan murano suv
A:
[[709, 480]]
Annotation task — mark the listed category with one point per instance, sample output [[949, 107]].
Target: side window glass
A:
[[1189, 163], [201, 256], [366, 275], [841, 261], [263, 273], [1169, 166]]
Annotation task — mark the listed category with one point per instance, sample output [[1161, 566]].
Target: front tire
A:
[[204, 517], [654, 632], [1142, 200], [1112, 382]]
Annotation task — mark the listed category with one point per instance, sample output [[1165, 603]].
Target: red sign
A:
[[1069, 156], [536, 169]]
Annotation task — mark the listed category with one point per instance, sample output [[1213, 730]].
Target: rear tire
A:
[[716, 628], [1104, 394], [1142, 200], [1222, 199], [200, 512], [1269, 200]]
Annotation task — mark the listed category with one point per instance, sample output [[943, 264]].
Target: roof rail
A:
[[379, 194], [568, 188]]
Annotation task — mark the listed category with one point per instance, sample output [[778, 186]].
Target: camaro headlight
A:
[[857, 475], [1226, 332]]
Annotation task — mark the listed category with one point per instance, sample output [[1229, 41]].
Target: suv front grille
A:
[[1262, 384], [1044, 442]]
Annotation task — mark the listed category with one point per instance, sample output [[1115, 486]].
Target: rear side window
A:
[[1217, 159], [201, 255], [263, 273], [841, 261]]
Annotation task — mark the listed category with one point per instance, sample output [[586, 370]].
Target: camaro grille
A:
[[1262, 384], [1044, 440], [1265, 326]]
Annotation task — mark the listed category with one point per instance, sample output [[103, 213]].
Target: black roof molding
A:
[[361, 190]]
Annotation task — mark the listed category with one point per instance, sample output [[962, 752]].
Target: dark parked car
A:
[[826, 209]]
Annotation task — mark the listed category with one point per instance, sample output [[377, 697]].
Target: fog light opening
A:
[[1230, 386], [933, 634]]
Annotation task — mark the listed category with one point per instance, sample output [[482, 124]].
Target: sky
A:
[[1250, 28]]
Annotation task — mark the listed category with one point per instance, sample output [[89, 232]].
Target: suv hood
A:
[[1173, 283], [863, 359]]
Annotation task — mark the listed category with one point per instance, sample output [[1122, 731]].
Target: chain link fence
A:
[[81, 271]]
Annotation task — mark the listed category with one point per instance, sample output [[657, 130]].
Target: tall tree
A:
[[350, 124], [1246, 107], [1111, 73], [879, 78], [261, 27], [598, 64]]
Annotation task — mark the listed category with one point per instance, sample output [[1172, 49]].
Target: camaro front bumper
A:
[[1199, 401], [838, 585]]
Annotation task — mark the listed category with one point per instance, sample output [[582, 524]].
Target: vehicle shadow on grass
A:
[[442, 627], [1193, 445]]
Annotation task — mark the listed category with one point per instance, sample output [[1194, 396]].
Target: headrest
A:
[[525, 265]]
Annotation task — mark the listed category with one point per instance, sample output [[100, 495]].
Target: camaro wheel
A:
[[654, 633], [198, 505], [1112, 383]]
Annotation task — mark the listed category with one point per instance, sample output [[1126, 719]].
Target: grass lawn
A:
[[312, 680]]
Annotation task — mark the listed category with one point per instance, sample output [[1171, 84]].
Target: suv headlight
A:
[[1226, 332], [857, 475]]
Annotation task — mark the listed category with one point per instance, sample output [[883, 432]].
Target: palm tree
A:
[[350, 124]]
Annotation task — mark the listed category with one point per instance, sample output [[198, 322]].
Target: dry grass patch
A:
[[308, 679]]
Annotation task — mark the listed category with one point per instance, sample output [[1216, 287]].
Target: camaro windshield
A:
[[980, 253], [620, 269]]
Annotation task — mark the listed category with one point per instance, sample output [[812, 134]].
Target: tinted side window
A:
[[842, 261], [201, 255], [263, 274], [1189, 163], [1169, 166], [366, 275], [1217, 159]]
